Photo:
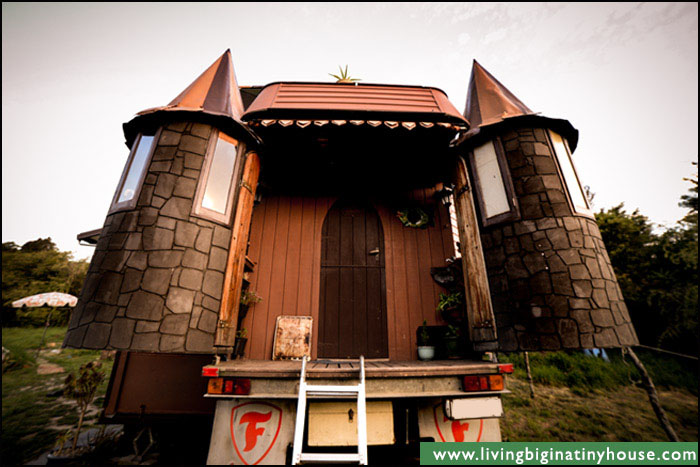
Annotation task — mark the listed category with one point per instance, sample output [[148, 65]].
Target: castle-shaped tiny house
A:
[[164, 259], [359, 208]]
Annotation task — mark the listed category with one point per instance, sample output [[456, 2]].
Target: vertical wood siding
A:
[[285, 244]]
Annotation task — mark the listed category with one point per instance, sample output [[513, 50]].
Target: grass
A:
[[582, 373], [31, 419], [619, 414], [582, 398]]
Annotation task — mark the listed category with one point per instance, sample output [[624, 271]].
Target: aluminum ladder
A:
[[329, 392]]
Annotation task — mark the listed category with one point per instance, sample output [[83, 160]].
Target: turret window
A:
[[134, 172], [566, 166], [495, 188], [215, 193]]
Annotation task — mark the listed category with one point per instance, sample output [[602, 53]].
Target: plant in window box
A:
[[248, 298], [450, 307], [239, 344], [426, 350]]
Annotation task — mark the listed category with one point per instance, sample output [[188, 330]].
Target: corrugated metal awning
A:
[[391, 105]]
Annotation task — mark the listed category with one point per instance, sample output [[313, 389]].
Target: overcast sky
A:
[[624, 74]]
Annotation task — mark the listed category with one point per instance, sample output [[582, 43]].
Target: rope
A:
[[666, 351]]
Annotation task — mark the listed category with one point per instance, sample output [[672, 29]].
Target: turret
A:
[[551, 281], [163, 272]]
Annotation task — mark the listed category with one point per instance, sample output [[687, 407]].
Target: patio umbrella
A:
[[46, 299], [52, 299]]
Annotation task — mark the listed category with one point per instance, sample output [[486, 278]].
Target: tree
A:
[[657, 273], [38, 266]]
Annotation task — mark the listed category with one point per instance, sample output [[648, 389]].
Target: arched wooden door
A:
[[352, 318]]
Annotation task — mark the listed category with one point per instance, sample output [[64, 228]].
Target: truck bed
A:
[[385, 379]]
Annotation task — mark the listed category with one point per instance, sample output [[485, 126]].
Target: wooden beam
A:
[[230, 300], [482, 324]]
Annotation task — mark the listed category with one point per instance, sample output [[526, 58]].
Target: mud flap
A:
[[433, 423], [248, 432]]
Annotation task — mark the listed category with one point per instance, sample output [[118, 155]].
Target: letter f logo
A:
[[252, 431]]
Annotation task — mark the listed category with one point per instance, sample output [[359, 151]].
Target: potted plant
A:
[[426, 351], [450, 307], [248, 298], [344, 77], [452, 340], [82, 389], [239, 344]]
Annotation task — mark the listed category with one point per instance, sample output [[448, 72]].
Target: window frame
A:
[[587, 212], [198, 210], [131, 203], [513, 212]]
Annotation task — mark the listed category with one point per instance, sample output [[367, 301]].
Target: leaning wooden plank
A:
[[482, 324], [228, 313]]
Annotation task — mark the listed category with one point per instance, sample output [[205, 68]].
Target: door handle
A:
[[374, 252]]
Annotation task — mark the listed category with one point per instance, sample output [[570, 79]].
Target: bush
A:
[[36, 317]]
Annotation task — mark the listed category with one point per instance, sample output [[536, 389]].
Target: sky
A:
[[624, 74]]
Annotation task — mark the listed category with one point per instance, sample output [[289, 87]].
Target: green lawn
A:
[[31, 419], [582, 398]]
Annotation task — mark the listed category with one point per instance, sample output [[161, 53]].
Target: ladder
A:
[[331, 391]]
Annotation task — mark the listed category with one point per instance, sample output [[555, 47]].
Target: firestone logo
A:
[[254, 430]]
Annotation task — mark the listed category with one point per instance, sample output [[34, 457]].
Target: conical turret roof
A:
[[214, 91], [213, 97], [488, 101], [490, 106]]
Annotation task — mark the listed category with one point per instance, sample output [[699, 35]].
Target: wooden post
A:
[[653, 396], [482, 324], [233, 280], [529, 375]]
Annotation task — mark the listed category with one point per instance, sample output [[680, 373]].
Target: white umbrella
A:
[[48, 299], [52, 299]]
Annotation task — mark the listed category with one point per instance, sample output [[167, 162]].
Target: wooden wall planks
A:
[[285, 244]]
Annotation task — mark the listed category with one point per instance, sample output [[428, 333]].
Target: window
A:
[[495, 187], [214, 197], [134, 173], [568, 172]]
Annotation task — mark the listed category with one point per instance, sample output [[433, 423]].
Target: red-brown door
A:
[[352, 318]]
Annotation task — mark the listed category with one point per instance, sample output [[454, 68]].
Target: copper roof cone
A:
[[491, 107], [214, 91], [213, 97], [488, 101]]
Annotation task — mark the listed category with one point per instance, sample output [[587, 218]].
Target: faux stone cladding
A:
[[156, 277], [551, 280]]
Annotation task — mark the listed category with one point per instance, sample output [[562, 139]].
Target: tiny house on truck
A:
[[367, 219]]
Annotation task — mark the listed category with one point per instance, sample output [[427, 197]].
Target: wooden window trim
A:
[[131, 204], [514, 211], [567, 190], [204, 213]]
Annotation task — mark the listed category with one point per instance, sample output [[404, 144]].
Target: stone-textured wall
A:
[[551, 280], [156, 278]]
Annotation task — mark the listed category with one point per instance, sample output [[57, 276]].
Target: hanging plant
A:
[[414, 217]]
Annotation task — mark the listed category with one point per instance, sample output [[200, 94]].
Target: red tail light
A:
[[505, 368], [211, 372], [242, 387], [476, 383], [483, 383], [237, 386]]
